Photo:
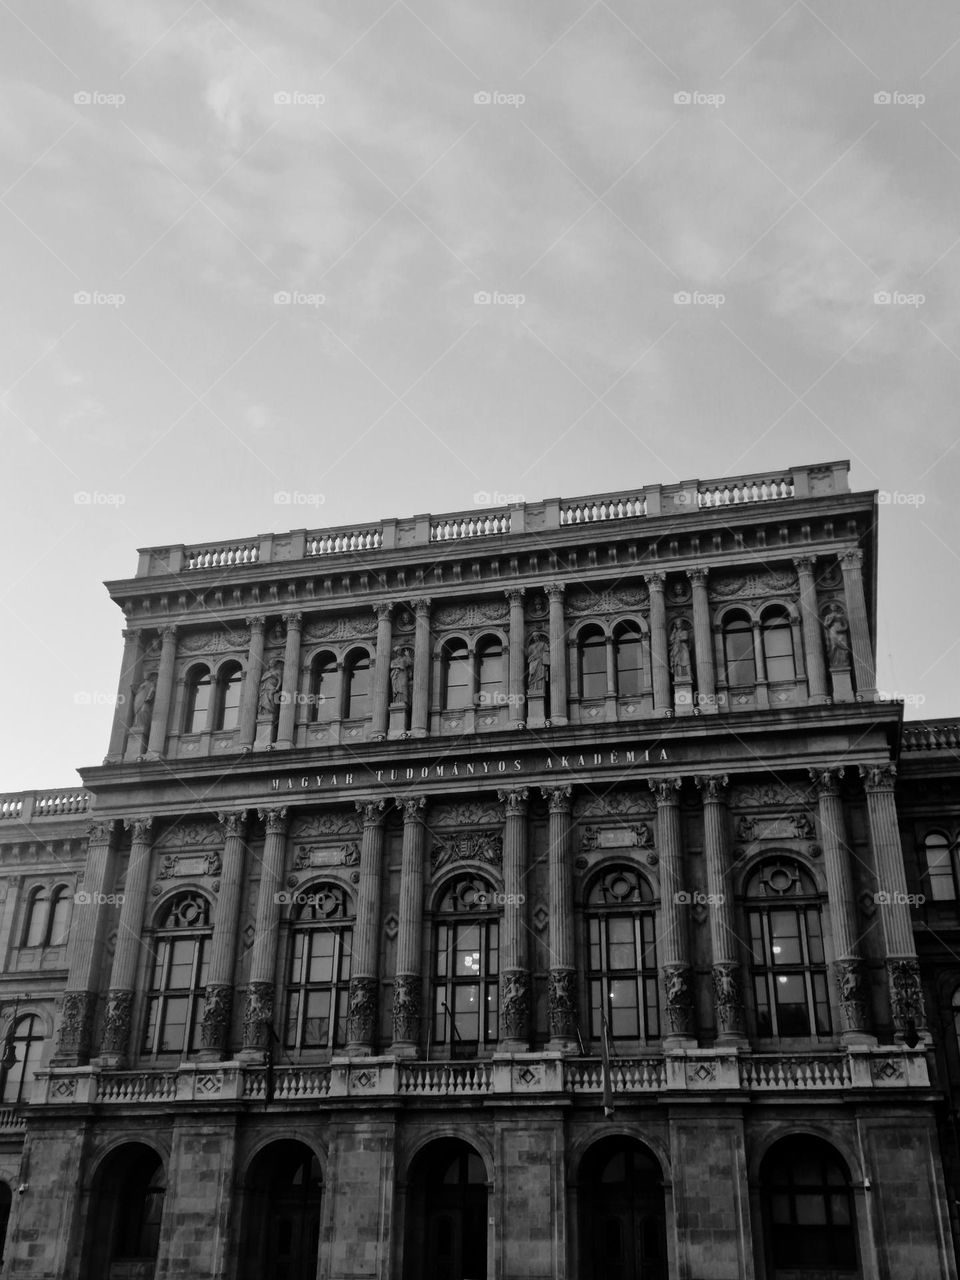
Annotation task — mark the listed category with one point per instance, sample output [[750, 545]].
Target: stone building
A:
[[528, 894]]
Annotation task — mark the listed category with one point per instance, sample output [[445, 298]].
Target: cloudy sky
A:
[[181, 164]]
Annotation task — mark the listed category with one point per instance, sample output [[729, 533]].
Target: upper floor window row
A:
[[213, 701], [47, 918], [765, 647]]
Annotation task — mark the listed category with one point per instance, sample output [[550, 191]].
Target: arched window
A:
[[356, 673], [281, 1214], [592, 648], [776, 634], [628, 649], [229, 685], [58, 926], [941, 867], [622, 956], [324, 688], [35, 921], [321, 944], [465, 968], [179, 976], [738, 655], [491, 673], [787, 960], [447, 1215], [198, 700], [808, 1211], [124, 1227], [456, 677], [26, 1044]]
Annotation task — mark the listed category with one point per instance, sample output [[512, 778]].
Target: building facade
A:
[[541, 894]]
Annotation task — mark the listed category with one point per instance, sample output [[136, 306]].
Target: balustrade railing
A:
[[627, 1075], [338, 541], [731, 493], [932, 735], [55, 803], [222, 557], [445, 1079], [479, 525], [776, 1072], [137, 1086], [607, 507]]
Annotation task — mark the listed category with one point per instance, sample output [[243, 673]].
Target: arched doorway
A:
[[447, 1214], [281, 1214], [622, 1219], [809, 1221], [128, 1192]]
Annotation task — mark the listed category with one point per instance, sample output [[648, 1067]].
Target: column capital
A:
[[851, 559], [293, 620], [666, 790], [257, 622], [372, 812], [558, 798], [139, 826], [655, 579], [878, 777], [826, 782], [383, 611], [804, 564], [554, 590], [275, 820], [514, 801], [698, 575], [713, 787], [233, 824], [101, 832], [515, 594], [131, 633], [421, 605], [412, 807], [167, 633]]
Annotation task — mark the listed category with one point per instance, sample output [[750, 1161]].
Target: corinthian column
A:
[[673, 944], [408, 982], [563, 974], [258, 1006], [251, 682], [903, 970], [161, 703], [514, 974], [812, 637], [848, 966], [851, 564], [84, 950], [517, 656], [364, 977], [291, 680], [381, 671], [727, 977], [703, 643], [659, 659], [558, 654], [218, 997], [115, 1043], [419, 718]]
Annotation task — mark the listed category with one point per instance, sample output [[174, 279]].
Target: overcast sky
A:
[[182, 164]]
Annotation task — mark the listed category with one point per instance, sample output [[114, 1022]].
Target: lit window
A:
[[321, 945], [465, 969], [178, 982], [622, 956], [787, 960]]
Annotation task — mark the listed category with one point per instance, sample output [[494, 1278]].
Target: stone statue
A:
[[143, 702], [836, 636], [538, 659], [680, 650], [270, 685], [400, 664]]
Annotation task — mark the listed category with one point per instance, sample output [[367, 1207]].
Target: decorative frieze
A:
[[477, 846], [258, 1015], [185, 834], [749, 586], [116, 1023], [362, 1014], [332, 822], [678, 997], [308, 856], [406, 1009], [176, 865], [514, 1004], [213, 642], [791, 826], [620, 837], [728, 998], [768, 795], [350, 627], [470, 615], [474, 813], [217, 1010], [581, 603], [562, 1004], [613, 804]]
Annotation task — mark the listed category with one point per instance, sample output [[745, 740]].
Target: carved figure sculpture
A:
[[680, 650], [270, 685], [538, 659], [143, 702]]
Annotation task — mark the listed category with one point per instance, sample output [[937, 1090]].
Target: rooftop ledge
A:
[[813, 481]]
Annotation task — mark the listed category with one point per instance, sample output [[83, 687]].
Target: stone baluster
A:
[[381, 671], [514, 973], [164, 695], [563, 974], [291, 680], [258, 1007], [659, 651], [123, 710], [364, 978], [115, 1042], [517, 656], [84, 952], [558, 654], [812, 636], [218, 1000], [724, 945], [706, 699], [409, 978], [851, 564], [251, 682], [848, 966], [903, 970], [674, 945], [419, 720]]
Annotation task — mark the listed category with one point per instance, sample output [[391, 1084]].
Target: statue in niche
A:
[[538, 660], [680, 649], [836, 634], [143, 702], [400, 663], [270, 685]]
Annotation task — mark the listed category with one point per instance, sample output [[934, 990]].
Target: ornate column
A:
[[161, 703], [364, 978], [87, 930], [848, 966], [558, 654], [727, 976], [420, 716], [703, 643], [514, 974], [563, 974], [674, 947], [659, 655], [291, 680], [123, 709], [251, 682], [903, 970], [381, 671], [115, 1042], [258, 1006], [851, 564], [812, 637], [409, 979], [218, 1000], [517, 656]]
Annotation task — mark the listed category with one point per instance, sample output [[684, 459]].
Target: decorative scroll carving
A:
[[514, 1004], [615, 804], [257, 1015], [471, 615], [789, 826], [116, 1022], [76, 1023], [362, 1015], [214, 642], [853, 1001], [477, 813], [201, 864], [745, 586], [217, 1009], [475, 846], [638, 837], [906, 995], [318, 855], [728, 997], [562, 1004], [769, 795], [678, 989], [184, 834], [332, 822], [406, 1008], [589, 602]]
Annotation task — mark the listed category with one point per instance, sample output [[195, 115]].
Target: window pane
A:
[[230, 714], [358, 689], [738, 649], [174, 1024], [492, 675], [199, 703], [940, 870], [778, 651], [316, 1026], [182, 955], [36, 924], [629, 665], [623, 1008], [811, 1210], [321, 960], [593, 667], [784, 937], [457, 690], [59, 920], [466, 1007]]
